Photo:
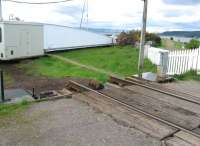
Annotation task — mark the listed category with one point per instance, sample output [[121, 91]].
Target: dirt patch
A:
[[69, 122], [20, 79]]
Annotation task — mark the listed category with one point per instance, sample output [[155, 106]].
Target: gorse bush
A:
[[133, 38]]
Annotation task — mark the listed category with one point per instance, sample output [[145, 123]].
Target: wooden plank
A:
[[197, 130], [195, 141], [127, 117], [188, 95], [164, 110], [166, 98]]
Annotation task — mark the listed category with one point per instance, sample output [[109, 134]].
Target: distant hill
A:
[[188, 34]]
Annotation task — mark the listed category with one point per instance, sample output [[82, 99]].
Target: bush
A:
[[193, 44], [132, 37]]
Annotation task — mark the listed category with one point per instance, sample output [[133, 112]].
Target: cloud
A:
[[182, 2], [163, 15]]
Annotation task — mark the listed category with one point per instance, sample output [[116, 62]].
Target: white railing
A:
[[174, 62]]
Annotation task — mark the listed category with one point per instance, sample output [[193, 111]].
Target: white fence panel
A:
[[182, 61], [176, 62], [154, 54]]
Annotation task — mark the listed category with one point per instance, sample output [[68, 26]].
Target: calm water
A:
[[181, 39]]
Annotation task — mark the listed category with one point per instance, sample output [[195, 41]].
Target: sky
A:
[[163, 15]]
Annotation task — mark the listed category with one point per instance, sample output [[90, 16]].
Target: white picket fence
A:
[[154, 54], [182, 61], [174, 62]]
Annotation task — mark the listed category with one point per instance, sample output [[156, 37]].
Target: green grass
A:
[[119, 60], [191, 75], [51, 67], [8, 110]]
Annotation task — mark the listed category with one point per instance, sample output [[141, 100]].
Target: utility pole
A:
[[1, 17], [83, 11], [142, 40]]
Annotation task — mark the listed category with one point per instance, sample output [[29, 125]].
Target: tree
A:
[[193, 44]]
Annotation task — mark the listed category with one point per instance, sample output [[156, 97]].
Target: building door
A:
[[24, 47]]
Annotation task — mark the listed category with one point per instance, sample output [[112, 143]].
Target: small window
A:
[[0, 35], [12, 52]]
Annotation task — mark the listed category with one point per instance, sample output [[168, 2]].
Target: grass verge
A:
[[119, 60], [8, 110], [191, 75]]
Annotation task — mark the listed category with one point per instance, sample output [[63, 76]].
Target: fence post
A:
[[2, 87], [162, 68], [146, 50]]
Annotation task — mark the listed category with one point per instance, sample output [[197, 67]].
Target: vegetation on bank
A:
[[171, 44], [193, 44]]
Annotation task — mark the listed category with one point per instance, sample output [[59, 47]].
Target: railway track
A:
[[81, 88], [155, 87]]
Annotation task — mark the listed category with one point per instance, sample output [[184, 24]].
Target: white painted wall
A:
[[32, 39], [22, 40], [61, 37]]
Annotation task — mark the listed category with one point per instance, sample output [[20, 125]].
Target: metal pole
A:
[[2, 87], [142, 40], [1, 17]]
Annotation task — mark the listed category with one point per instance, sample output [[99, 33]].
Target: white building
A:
[[22, 39]]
